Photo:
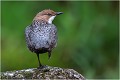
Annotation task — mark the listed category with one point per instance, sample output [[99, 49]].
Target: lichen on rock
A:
[[47, 72]]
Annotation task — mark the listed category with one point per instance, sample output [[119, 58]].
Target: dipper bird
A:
[[41, 35]]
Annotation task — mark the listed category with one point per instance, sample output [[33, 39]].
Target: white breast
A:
[[51, 19]]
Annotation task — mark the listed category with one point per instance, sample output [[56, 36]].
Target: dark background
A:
[[88, 36]]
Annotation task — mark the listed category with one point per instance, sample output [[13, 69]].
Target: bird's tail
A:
[[49, 55]]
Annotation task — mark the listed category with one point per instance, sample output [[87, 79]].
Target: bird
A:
[[41, 35]]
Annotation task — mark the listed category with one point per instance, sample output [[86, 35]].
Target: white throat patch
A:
[[51, 19]]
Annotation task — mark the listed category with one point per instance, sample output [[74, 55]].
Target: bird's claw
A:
[[41, 67]]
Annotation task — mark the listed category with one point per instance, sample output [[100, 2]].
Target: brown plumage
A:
[[41, 35]]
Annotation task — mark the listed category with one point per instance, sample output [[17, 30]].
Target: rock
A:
[[47, 72]]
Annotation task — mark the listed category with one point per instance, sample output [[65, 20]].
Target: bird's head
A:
[[47, 15]]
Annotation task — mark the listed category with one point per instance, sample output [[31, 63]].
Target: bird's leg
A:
[[40, 65]]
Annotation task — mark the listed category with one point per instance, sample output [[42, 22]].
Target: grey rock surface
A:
[[46, 73]]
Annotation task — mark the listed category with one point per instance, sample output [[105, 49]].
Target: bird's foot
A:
[[44, 68], [41, 67]]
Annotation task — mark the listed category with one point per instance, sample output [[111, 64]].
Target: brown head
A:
[[47, 15]]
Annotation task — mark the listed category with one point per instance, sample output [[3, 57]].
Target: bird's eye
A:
[[49, 14]]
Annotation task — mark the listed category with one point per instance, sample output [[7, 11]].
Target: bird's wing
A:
[[27, 36]]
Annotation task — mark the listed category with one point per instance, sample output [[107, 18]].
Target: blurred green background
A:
[[87, 36]]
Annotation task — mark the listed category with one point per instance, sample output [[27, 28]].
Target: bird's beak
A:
[[58, 13]]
